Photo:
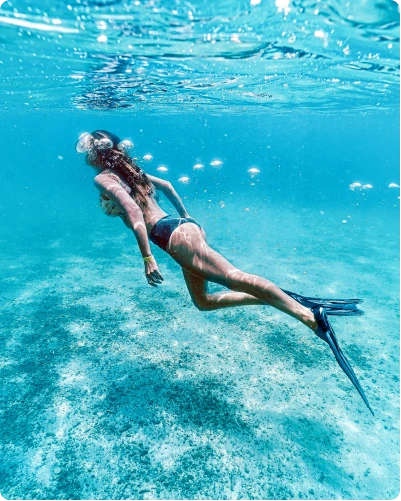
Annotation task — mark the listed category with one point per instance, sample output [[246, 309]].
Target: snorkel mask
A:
[[100, 141]]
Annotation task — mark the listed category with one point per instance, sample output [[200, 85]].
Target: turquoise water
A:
[[114, 390]]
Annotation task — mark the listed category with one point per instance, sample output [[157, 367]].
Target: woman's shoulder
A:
[[109, 174], [105, 174]]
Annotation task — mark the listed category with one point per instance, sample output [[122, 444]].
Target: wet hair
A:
[[122, 164]]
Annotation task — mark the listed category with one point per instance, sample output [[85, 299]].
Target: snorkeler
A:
[[127, 191]]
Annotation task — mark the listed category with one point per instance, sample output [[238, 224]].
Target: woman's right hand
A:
[[153, 275]]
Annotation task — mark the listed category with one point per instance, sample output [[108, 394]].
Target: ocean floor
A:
[[114, 390]]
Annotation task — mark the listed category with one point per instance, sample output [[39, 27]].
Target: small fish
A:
[[367, 186], [184, 179], [393, 185], [216, 163], [198, 166], [147, 157], [162, 169], [355, 185]]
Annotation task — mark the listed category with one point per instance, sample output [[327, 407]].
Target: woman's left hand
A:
[[153, 275]]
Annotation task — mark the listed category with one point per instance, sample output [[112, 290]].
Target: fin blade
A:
[[320, 301], [342, 360], [340, 307]]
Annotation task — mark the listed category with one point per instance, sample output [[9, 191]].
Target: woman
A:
[[128, 192]]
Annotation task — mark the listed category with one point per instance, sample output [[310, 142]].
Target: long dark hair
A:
[[123, 165]]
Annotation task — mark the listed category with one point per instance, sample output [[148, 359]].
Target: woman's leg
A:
[[190, 250], [205, 301]]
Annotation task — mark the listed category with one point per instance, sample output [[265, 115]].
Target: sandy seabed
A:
[[114, 390]]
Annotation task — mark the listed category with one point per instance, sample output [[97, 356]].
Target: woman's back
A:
[[151, 210]]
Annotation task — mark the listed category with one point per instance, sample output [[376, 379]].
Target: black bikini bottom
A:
[[162, 230]]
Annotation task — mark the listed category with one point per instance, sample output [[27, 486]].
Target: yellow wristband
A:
[[147, 259]]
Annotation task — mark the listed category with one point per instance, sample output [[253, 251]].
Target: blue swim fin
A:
[[341, 307], [326, 332]]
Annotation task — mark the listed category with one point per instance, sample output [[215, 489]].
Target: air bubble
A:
[[126, 145], [253, 171]]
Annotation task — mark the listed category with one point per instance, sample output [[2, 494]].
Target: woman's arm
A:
[[133, 217], [167, 188]]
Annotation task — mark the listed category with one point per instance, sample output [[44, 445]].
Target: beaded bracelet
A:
[[147, 259]]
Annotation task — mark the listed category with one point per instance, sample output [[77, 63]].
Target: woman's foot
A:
[[321, 322], [309, 319]]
